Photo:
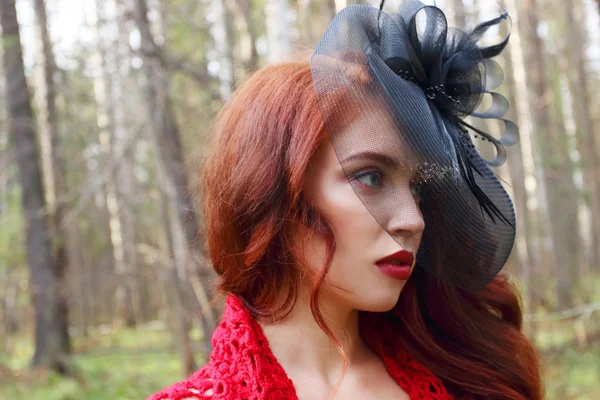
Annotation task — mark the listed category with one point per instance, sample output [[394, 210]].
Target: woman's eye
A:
[[374, 179], [416, 188], [370, 178]]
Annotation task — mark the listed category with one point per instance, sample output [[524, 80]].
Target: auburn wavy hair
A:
[[251, 195]]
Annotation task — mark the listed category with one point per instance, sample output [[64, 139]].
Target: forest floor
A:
[[132, 364], [570, 360], [127, 365]]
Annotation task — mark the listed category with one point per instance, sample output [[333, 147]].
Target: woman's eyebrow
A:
[[382, 158]]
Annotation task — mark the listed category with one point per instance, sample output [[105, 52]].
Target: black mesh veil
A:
[[400, 85]]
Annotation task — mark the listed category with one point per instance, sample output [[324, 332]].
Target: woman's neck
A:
[[300, 345]]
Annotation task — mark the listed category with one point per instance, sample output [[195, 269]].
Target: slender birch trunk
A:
[[106, 121], [53, 164]]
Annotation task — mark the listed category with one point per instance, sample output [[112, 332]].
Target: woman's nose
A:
[[407, 218]]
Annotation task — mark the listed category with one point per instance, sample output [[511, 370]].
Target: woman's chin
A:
[[379, 302], [376, 297]]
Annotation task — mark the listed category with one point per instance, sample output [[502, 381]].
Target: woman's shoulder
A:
[[241, 365], [199, 386]]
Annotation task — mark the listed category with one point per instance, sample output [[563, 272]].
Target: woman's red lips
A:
[[401, 256], [397, 265]]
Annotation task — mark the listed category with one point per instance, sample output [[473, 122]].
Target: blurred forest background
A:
[[104, 108]]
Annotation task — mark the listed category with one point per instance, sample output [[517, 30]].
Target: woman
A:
[[357, 233]]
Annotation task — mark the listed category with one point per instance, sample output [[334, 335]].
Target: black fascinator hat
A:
[[401, 85]]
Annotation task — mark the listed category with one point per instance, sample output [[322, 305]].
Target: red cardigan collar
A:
[[242, 365]]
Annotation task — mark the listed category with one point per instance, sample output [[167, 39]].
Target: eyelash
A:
[[415, 183], [367, 173]]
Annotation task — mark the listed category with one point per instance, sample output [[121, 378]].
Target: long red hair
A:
[[251, 193]]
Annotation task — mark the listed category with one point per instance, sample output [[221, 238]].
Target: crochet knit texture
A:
[[242, 365]]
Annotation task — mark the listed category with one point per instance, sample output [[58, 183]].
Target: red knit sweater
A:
[[242, 365]]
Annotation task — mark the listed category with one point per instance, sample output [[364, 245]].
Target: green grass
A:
[[571, 362], [573, 374], [132, 364], [123, 366]]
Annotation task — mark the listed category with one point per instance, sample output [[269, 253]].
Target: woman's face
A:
[[373, 213]]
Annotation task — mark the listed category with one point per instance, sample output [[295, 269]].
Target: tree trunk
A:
[[198, 265], [547, 144], [4, 159], [167, 134], [475, 15], [524, 249], [9, 310], [177, 291], [568, 220], [54, 169], [183, 220], [223, 46], [243, 14], [587, 145], [126, 183], [278, 30], [106, 120], [459, 16], [305, 17], [329, 12], [80, 281], [522, 169], [43, 286]]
